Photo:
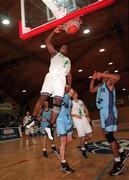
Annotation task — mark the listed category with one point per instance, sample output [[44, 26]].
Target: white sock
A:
[[121, 150], [44, 149], [117, 159], [83, 148], [63, 161], [52, 145]]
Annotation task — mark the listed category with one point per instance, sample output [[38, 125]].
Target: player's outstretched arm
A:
[[48, 42], [114, 78], [94, 88]]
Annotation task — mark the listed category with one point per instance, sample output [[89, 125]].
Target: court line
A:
[[104, 170], [20, 162]]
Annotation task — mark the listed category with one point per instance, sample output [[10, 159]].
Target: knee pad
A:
[[56, 108], [110, 137]]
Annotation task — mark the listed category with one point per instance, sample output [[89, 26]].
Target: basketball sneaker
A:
[[66, 168], [48, 131], [56, 151], [45, 154], [84, 154], [117, 169], [86, 147], [124, 156]]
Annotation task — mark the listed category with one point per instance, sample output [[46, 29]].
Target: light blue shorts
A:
[[64, 126], [108, 119]]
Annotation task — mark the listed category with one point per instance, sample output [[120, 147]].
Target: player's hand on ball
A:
[[57, 30]]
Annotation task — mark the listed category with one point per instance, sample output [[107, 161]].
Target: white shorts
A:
[[83, 126], [29, 131], [54, 85]]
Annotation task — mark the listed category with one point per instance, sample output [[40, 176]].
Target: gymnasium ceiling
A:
[[23, 64]]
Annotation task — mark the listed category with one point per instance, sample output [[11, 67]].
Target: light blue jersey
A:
[[64, 122], [105, 102], [45, 118]]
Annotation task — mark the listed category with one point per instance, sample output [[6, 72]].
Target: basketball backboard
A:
[[38, 16]]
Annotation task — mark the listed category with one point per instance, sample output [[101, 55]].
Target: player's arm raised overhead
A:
[[94, 88], [114, 78], [48, 42]]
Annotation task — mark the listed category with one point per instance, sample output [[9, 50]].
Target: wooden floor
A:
[[18, 162]]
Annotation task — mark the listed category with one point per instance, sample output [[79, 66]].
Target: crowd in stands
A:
[[9, 120]]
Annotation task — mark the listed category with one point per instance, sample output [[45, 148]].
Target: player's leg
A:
[[62, 132], [87, 138], [45, 92], [45, 146], [58, 94], [56, 108], [31, 131], [88, 131], [39, 104], [118, 165], [83, 149], [124, 154], [64, 164], [27, 136], [81, 134]]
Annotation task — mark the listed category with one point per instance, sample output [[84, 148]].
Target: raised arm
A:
[[113, 78], [48, 42], [94, 88]]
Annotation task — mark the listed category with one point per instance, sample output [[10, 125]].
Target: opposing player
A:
[[105, 101], [55, 80], [64, 129], [45, 124], [81, 118], [28, 130]]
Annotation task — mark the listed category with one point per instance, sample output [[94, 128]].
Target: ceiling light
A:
[[24, 91], [5, 22], [43, 46], [86, 31], [80, 70], [116, 71], [110, 63], [102, 50], [90, 77], [124, 89]]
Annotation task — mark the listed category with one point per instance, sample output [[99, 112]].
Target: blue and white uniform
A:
[[64, 122], [80, 119], [105, 101], [45, 118], [31, 129], [55, 80]]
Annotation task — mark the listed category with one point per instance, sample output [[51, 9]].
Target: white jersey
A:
[[27, 119], [60, 65], [78, 108]]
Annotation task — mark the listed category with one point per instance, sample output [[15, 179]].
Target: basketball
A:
[[71, 28]]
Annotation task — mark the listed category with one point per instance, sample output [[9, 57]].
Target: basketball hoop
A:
[[72, 26]]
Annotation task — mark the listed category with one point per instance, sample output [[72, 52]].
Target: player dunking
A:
[[105, 102], [55, 80]]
